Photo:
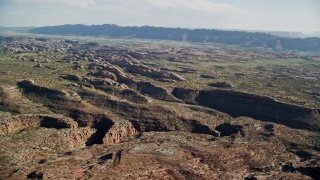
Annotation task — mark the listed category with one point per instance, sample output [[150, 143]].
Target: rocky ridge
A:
[[260, 107]]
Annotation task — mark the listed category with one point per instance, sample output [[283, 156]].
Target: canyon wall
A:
[[258, 107]]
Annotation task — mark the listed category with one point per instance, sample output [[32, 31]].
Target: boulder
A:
[[78, 67], [227, 129], [71, 77], [38, 65], [206, 76], [221, 84], [47, 61]]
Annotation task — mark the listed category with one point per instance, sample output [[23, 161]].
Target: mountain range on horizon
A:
[[276, 40], [280, 33]]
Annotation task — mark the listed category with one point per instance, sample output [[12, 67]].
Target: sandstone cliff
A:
[[259, 107]]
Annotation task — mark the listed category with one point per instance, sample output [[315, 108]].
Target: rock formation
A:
[[221, 84], [122, 77], [187, 95], [71, 77], [260, 107], [206, 76], [136, 67], [134, 96], [18, 123], [155, 91], [119, 132], [30, 87]]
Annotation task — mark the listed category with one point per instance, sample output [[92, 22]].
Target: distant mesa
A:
[[239, 38]]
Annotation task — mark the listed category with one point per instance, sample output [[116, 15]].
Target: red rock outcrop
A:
[[80, 136], [30, 87], [119, 132], [187, 95], [135, 66], [121, 76], [155, 91], [20, 122], [259, 107]]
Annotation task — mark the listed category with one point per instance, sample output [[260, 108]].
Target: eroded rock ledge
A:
[[20, 122], [259, 107]]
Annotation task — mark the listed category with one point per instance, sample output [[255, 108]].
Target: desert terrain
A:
[[76, 107]]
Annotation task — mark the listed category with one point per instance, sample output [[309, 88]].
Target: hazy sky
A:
[[279, 15]]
